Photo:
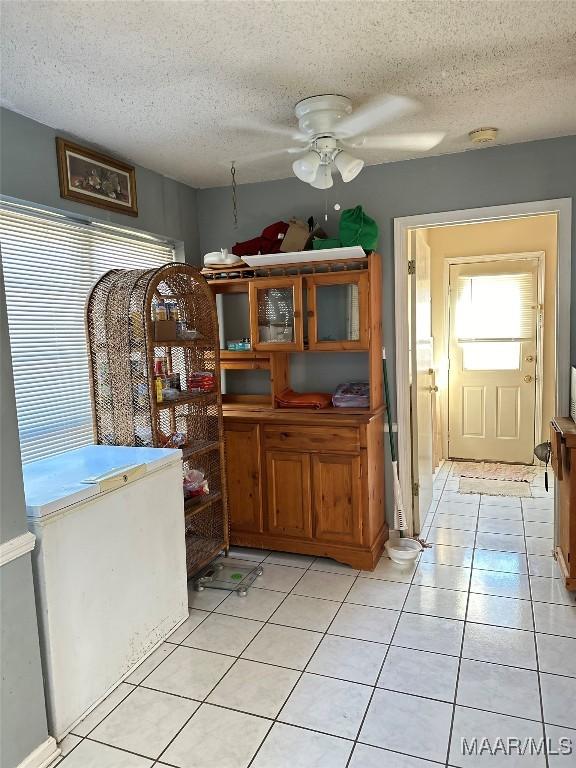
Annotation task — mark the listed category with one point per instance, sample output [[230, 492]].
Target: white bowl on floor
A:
[[403, 551]]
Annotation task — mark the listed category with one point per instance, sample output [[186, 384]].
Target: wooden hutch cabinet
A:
[[309, 481], [563, 440]]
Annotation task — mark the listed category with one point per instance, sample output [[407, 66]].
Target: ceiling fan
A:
[[328, 126]]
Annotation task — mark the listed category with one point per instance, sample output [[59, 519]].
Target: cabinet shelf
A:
[[198, 504], [191, 398], [245, 354], [199, 448], [185, 343]]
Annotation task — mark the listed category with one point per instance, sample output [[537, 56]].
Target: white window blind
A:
[[50, 264], [496, 308]]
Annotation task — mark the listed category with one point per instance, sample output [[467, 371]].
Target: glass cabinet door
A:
[[338, 311], [276, 313]]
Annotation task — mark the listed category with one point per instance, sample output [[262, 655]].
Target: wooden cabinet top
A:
[[329, 416], [567, 429]]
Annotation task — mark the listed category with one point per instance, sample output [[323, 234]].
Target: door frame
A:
[[562, 207], [538, 256]]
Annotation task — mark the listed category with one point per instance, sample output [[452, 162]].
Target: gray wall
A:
[[22, 707], [28, 171], [517, 173]]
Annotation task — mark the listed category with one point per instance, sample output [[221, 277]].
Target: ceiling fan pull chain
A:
[[234, 195]]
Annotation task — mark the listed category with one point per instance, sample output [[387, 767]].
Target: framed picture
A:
[[95, 179]]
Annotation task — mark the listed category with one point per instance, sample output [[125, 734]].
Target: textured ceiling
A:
[[175, 86]]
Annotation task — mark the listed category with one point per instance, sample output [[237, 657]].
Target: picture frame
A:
[[93, 178]]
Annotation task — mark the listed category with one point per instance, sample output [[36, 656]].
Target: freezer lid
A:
[[59, 481]]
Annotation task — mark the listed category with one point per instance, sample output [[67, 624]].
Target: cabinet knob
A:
[[527, 379], [310, 313]]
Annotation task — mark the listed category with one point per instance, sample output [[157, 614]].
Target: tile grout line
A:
[[536, 651], [324, 634], [375, 687], [130, 693], [453, 716], [205, 698]]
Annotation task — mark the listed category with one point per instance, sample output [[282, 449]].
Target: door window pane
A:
[[491, 356], [495, 307]]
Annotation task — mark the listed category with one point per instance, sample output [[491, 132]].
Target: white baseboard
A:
[[43, 756], [16, 547]]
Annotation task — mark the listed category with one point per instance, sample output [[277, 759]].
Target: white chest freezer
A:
[[109, 567]]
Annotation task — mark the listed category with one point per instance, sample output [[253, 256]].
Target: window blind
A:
[[50, 264], [496, 307]]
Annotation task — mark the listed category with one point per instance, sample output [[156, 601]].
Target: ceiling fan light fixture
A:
[[306, 167], [348, 166], [323, 178]]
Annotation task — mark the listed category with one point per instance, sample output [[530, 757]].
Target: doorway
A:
[[496, 412]]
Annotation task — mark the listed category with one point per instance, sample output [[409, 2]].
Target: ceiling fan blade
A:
[[254, 126], [374, 113], [254, 158], [416, 142]]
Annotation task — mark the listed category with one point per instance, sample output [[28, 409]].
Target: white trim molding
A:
[[43, 756], [402, 226], [16, 547]]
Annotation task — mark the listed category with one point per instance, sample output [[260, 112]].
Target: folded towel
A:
[[290, 399]]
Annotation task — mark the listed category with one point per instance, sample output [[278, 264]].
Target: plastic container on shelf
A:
[[238, 345], [352, 394], [195, 484]]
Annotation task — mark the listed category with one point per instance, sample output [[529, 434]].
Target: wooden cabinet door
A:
[[276, 314], [338, 311], [244, 483], [337, 506], [289, 497]]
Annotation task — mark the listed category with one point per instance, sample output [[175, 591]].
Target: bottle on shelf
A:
[[161, 313], [159, 387]]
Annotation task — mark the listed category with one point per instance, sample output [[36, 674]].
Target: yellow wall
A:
[[534, 233]]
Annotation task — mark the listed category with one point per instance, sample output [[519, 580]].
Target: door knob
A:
[[433, 389], [527, 379]]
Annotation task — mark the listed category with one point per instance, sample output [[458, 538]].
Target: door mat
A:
[[485, 470], [494, 487]]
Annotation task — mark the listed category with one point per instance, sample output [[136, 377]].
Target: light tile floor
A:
[[322, 666]]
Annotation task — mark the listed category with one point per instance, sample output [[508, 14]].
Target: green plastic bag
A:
[[357, 228], [319, 244]]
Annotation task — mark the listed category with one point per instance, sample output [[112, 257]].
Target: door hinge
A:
[[415, 489], [412, 267]]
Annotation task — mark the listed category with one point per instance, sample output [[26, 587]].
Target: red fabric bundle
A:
[[248, 247], [290, 399], [269, 241], [273, 236]]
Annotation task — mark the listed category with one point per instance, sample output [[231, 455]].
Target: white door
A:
[[422, 378], [492, 373]]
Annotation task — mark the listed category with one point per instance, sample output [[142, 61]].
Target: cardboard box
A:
[[165, 330]]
